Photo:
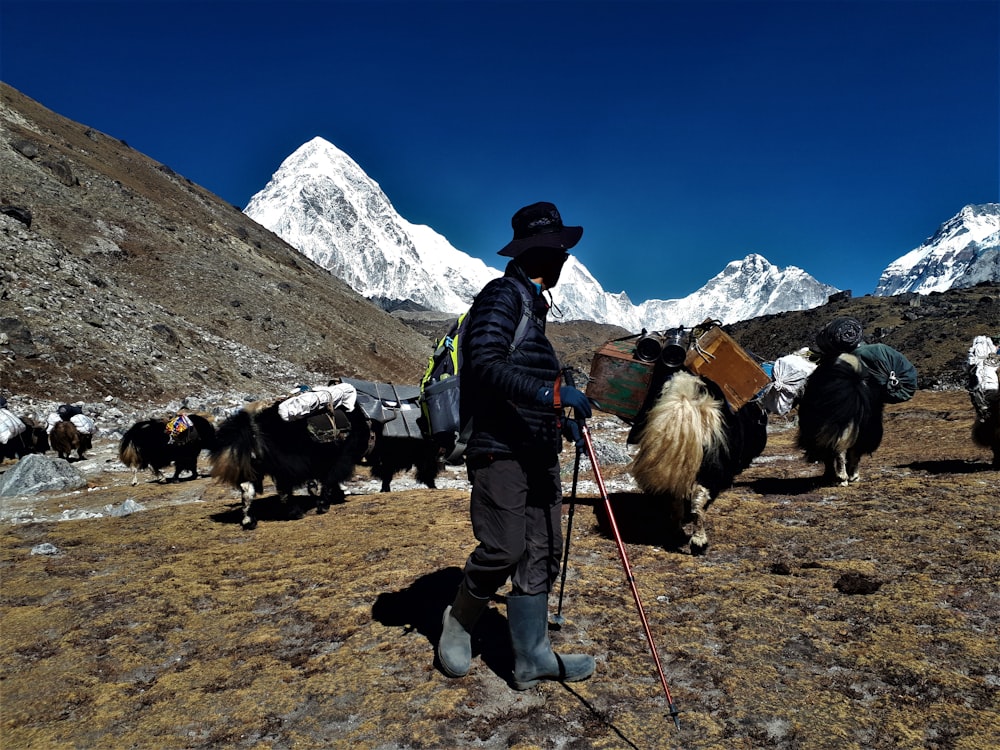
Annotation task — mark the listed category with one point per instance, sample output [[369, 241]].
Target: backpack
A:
[[891, 369], [440, 394], [10, 426], [68, 411]]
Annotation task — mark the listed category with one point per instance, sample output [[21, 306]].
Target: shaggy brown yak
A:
[[66, 438]]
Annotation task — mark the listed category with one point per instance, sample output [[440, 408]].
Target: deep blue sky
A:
[[834, 136]]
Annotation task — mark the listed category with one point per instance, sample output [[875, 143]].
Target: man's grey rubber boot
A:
[[455, 645], [534, 659]]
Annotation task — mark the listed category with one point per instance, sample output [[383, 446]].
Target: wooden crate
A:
[[618, 381], [719, 358]]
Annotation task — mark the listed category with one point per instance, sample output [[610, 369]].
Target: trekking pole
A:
[[624, 558], [558, 619]]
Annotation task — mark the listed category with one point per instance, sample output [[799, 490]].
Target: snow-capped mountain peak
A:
[[324, 205], [964, 251], [743, 289]]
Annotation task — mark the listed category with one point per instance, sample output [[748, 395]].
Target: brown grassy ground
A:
[[173, 628]]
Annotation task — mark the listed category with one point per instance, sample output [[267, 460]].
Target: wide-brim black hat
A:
[[540, 225]]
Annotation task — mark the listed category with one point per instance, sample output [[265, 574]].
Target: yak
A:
[[322, 449], [840, 416], [984, 391], [691, 448], [256, 442], [157, 443], [66, 438], [33, 439], [391, 455]]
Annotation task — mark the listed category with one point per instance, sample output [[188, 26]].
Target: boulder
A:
[[37, 473]]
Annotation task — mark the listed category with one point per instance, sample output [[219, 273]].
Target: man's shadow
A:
[[420, 606]]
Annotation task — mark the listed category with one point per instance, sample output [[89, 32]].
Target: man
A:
[[514, 398]]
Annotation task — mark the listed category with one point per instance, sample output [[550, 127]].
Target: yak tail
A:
[[835, 404], [128, 453], [235, 445], [684, 425], [140, 437]]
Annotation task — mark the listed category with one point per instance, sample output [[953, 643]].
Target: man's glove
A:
[[571, 431], [569, 396], [544, 396], [577, 401]]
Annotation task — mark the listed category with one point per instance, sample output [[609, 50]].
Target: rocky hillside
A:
[[934, 331], [121, 278]]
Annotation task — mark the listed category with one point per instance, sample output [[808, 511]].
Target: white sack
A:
[[84, 424], [320, 398], [983, 357], [10, 426], [788, 378]]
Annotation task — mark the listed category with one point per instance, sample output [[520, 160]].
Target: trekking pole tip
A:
[[674, 713]]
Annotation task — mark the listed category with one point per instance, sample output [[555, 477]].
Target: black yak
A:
[[692, 447], [157, 443], [322, 449], [840, 416], [391, 455], [256, 442], [398, 441], [33, 439]]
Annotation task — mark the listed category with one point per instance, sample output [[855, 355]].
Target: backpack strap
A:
[[460, 444], [527, 316], [447, 344]]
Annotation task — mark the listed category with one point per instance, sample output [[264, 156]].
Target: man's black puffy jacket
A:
[[499, 386]]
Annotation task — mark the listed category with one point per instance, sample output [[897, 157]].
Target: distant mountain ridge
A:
[[321, 202], [963, 252]]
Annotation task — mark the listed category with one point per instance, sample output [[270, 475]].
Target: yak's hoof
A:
[[249, 524], [322, 508]]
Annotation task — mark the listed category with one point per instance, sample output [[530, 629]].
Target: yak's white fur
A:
[[683, 425]]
